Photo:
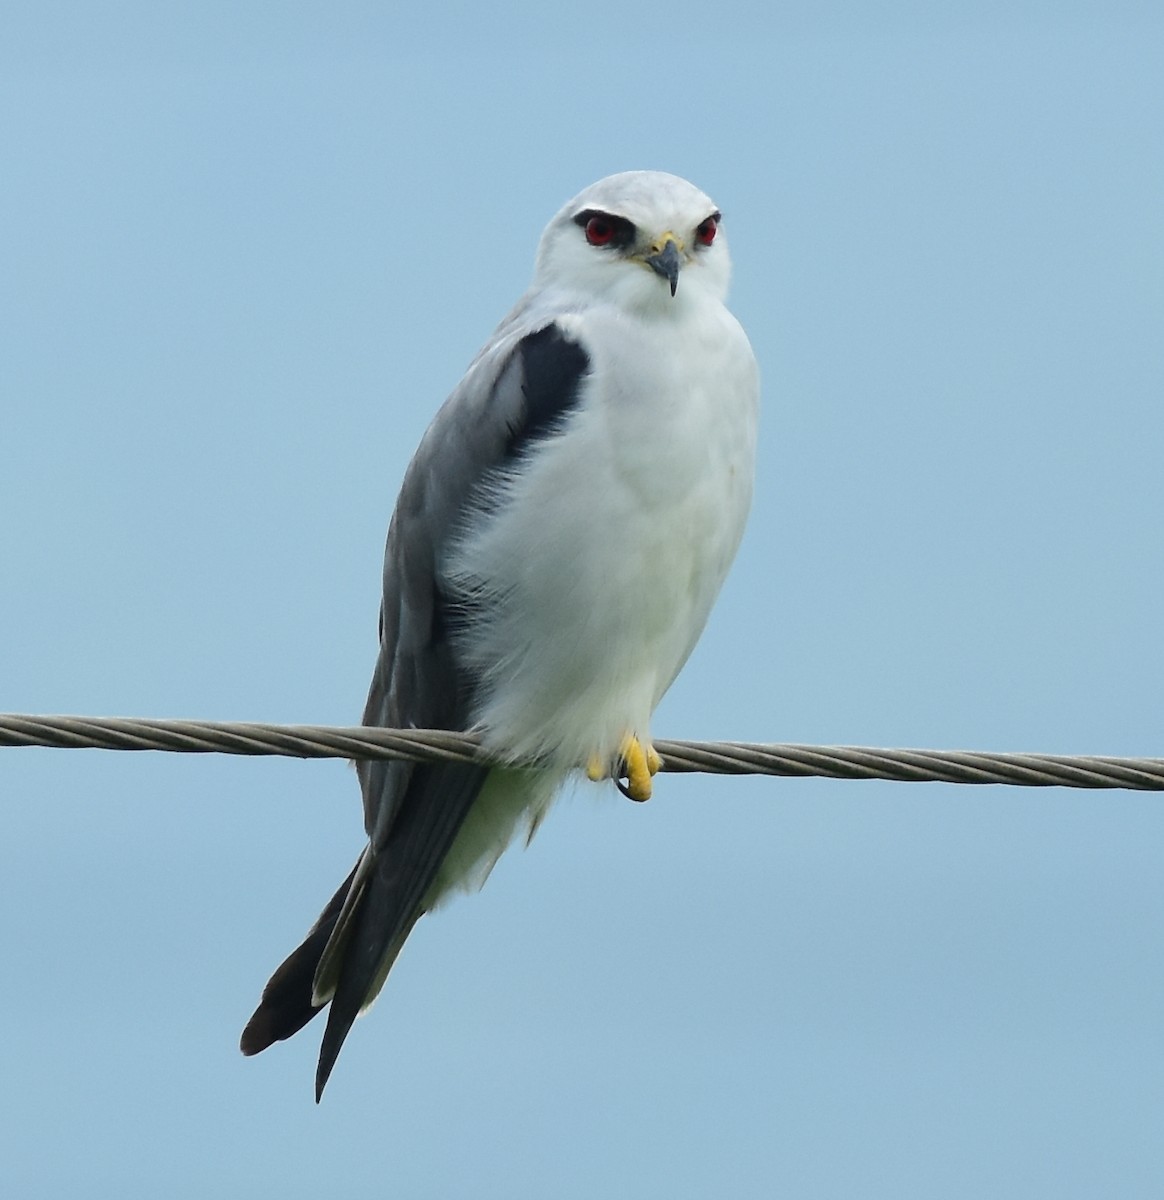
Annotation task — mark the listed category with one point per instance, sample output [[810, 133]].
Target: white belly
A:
[[600, 565]]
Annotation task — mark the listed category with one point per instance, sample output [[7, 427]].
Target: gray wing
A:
[[485, 424], [512, 397]]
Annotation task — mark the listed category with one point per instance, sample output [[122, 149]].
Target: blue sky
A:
[[247, 251]]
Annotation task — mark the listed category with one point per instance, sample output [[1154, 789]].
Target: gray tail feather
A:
[[287, 1003]]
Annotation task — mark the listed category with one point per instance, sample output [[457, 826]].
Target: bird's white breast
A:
[[602, 561]]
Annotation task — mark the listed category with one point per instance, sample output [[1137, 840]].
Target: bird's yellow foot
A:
[[637, 761]]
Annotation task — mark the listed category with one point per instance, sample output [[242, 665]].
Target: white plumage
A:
[[560, 538], [607, 549]]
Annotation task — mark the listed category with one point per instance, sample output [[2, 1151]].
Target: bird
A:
[[559, 539]]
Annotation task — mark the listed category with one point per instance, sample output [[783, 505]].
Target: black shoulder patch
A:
[[552, 369]]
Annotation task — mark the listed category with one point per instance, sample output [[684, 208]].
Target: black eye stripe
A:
[[623, 231]]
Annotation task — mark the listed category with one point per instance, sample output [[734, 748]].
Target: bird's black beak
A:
[[666, 261]]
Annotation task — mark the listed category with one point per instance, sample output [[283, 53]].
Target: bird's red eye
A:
[[599, 231], [705, 232]]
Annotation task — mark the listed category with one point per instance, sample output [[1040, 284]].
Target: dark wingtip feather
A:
[[340, 1018], [286, 1005], [328, 1054], [365, 953], [378, 931], [258, 1034]]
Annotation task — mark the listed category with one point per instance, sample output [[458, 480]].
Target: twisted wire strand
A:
[[719, 758]]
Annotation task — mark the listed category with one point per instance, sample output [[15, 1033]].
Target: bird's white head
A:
[[641, 239]]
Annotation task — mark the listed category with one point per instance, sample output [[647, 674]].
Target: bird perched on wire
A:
[[560, 536]]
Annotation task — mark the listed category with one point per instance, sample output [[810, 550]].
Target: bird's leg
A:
[[637, 761]]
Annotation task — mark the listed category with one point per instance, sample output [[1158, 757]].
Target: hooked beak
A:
[[665, 259]]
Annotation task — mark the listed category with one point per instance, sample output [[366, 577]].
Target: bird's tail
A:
[[369, 935], [288, 999], [344, 960], [346, 957]]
